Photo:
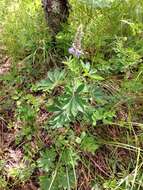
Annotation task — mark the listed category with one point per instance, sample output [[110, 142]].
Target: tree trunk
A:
[[56, 13]]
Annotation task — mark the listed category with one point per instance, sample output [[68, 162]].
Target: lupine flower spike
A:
[[76, 49]]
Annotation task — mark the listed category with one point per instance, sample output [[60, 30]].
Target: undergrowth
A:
[[68, 121]]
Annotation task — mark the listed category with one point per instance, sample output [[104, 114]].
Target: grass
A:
[[68, 122]]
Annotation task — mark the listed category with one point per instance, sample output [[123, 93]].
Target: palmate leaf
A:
[[43, 85], [90, 72], [101, 114], [63, 180], [61, 177], [46, 161], [54, 78], [89, 144], [69, 157], [69, 105], [59, 120], [44, 182]]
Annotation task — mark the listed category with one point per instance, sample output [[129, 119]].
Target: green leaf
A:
[[44, 182], [73, 107], [63, 179], [53, 108], [69, 157], [54, 78], [46, 161], [96, 77], [80, 104], [89, 144], [86, 67], [80, 88]]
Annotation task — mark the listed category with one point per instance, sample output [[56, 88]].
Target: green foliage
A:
[[21, 172], [67, 106], [62, 173], [54, 79], [88, 71], [104, 23], [98, 3], [89, 144], [3, 182], [60, 117], [104, 115], [62, 181], [125, 58], [24, 30], [27, 109], [47, 160]]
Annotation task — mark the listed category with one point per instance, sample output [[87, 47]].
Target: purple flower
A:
[[71, 50], [75, 52], [76, 49]]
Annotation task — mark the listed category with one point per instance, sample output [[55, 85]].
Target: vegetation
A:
[[71, 115]]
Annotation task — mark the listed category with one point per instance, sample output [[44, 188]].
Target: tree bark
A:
[[56, 13]]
